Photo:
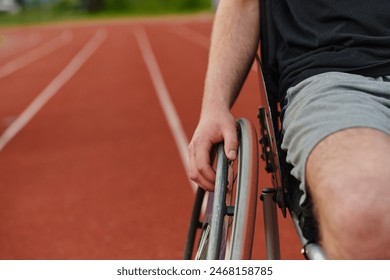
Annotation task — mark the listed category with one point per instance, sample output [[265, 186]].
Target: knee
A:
[[355, 225], [358, 233]]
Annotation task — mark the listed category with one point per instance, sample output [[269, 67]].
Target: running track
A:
[[94, 122]]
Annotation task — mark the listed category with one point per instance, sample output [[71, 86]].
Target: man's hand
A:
[[214, 127]]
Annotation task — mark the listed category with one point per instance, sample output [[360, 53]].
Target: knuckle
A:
[[193, 176]]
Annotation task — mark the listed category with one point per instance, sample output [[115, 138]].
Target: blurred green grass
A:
[[67, 10]]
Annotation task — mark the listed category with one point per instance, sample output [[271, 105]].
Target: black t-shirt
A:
[[302, 38]]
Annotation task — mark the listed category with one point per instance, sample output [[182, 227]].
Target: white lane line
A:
[[52, 88], [11, 44], [164, 98], [35, 54]]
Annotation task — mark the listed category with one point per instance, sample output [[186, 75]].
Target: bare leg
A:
[[348, 175]]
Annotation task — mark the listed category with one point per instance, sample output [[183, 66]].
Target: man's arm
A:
[[234, 43]]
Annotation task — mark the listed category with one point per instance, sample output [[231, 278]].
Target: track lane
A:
[[20, 88], [98, 171], [164, 98], [35, 54], [10, 43], [19, 40], [52, 88]]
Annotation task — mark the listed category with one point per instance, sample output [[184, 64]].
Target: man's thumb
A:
[[231, 144]]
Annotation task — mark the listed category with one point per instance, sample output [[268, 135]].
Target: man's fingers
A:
[[200, 170], [205, 184], [203, 166], [230, 143]]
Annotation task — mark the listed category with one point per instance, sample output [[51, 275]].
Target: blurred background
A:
[[35, 11]]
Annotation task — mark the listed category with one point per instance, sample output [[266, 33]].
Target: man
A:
[[333, 63]]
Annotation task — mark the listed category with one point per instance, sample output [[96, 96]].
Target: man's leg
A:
[[337, 137], [348, 175]]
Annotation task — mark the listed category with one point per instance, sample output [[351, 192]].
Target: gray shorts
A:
[[326, 103]]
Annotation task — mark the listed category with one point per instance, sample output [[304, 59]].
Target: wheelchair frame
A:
[[214, 240]]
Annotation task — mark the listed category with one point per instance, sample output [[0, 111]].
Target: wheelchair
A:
[[222, 223], [226, 218]]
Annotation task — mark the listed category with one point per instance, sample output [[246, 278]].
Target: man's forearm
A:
[[234, 43]]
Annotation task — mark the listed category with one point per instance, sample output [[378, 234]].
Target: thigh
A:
[[350, 169], [327, 104]]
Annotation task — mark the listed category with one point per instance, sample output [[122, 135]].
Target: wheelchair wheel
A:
[[229, 220]]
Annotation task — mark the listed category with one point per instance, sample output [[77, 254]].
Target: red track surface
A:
[[96, 173]]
